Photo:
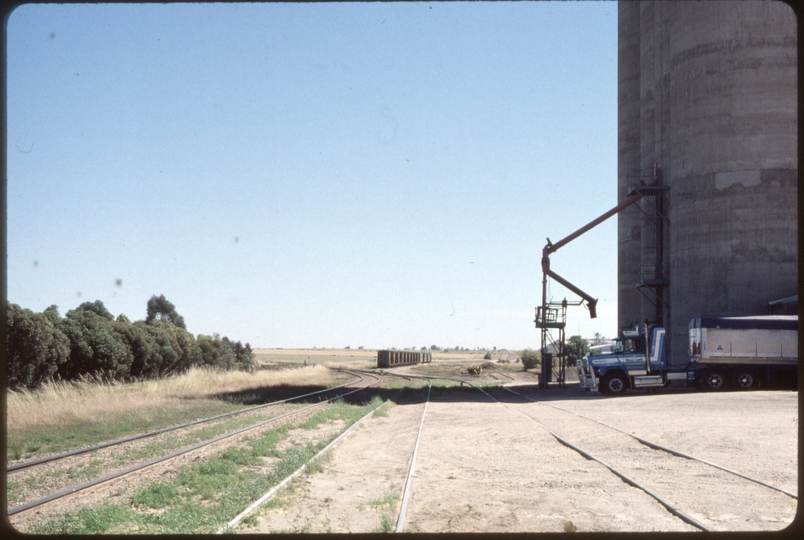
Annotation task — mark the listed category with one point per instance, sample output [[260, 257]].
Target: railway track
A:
[[502, 377], [17, 468], [665, 474], [407, 490], [663, 448], [53, 460], [659, 472], [400, 521]]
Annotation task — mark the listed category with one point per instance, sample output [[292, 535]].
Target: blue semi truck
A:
[[737, 352]]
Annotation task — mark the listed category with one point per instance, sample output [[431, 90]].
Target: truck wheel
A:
[[614, 384], [744, 380], [714, 380]]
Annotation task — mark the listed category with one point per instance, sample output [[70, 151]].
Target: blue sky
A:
[[300, 175]]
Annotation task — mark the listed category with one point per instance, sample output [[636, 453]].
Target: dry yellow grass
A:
[[59, 403], [90, 400]]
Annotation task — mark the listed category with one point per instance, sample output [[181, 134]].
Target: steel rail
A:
[[274, 490], [656, 446], [406, 492], [627, 479], [666, 504], [498, 377], [79, 487], [25, 465], [669, 506]]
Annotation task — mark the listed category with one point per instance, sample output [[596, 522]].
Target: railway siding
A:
[[486, 466], [119, 491], [54, 476], [755, 433], [721, 500], [360, 488], [483, 467], [64, 514]]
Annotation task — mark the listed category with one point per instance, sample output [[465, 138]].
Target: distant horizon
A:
[[345, 347]]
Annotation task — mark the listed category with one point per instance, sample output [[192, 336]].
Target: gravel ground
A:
[[487, 467]]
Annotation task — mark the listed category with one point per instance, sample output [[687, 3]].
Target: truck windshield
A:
[[627, 346]]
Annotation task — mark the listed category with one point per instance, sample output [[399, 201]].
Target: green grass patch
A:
[[387, 525], [166, 443], [100, 520], [241, 456], [204, 497], [156, 496], [33, 447], [382, 412], [314, 467], [317, 465], [445, 383], [34, 442], [374, 402], [488, 384], [388, 500], [244, 399], [266, 446], [340, 410]]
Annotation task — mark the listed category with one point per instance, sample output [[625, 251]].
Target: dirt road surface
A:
[[484, 466]]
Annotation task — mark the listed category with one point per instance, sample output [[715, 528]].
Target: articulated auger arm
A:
[[591, 302], [552, 248]]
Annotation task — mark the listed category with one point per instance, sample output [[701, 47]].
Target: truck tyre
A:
[[744, 379], [714, 380], [614, 384]]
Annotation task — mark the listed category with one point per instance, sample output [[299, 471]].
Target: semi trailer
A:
[[738, 352]]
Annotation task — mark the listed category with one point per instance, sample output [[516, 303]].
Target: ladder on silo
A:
[[653, 273]]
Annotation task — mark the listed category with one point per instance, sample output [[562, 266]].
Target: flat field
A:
[[367, 358], [354, 358]]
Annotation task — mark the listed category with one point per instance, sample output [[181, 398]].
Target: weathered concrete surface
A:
[[717, 105], [629, 221]]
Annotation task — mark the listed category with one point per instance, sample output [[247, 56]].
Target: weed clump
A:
[[530, 359]]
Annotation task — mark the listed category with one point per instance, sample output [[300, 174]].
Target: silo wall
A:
[[718, 109], [629, 221]]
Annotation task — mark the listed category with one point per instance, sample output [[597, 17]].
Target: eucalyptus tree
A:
[[161, 309], [183, 342], [96, 347], [35, 347]]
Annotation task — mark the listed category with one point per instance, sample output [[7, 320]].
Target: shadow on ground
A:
[[463, 392], [271, 394]]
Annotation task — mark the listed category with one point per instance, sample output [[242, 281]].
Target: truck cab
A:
[[638, 360]]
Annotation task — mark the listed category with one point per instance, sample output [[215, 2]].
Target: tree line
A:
[[89, 340]]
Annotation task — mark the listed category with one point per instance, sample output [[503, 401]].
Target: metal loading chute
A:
[[548, 315], [590, 302]]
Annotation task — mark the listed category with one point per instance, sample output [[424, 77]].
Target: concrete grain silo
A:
[[708, 107]]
